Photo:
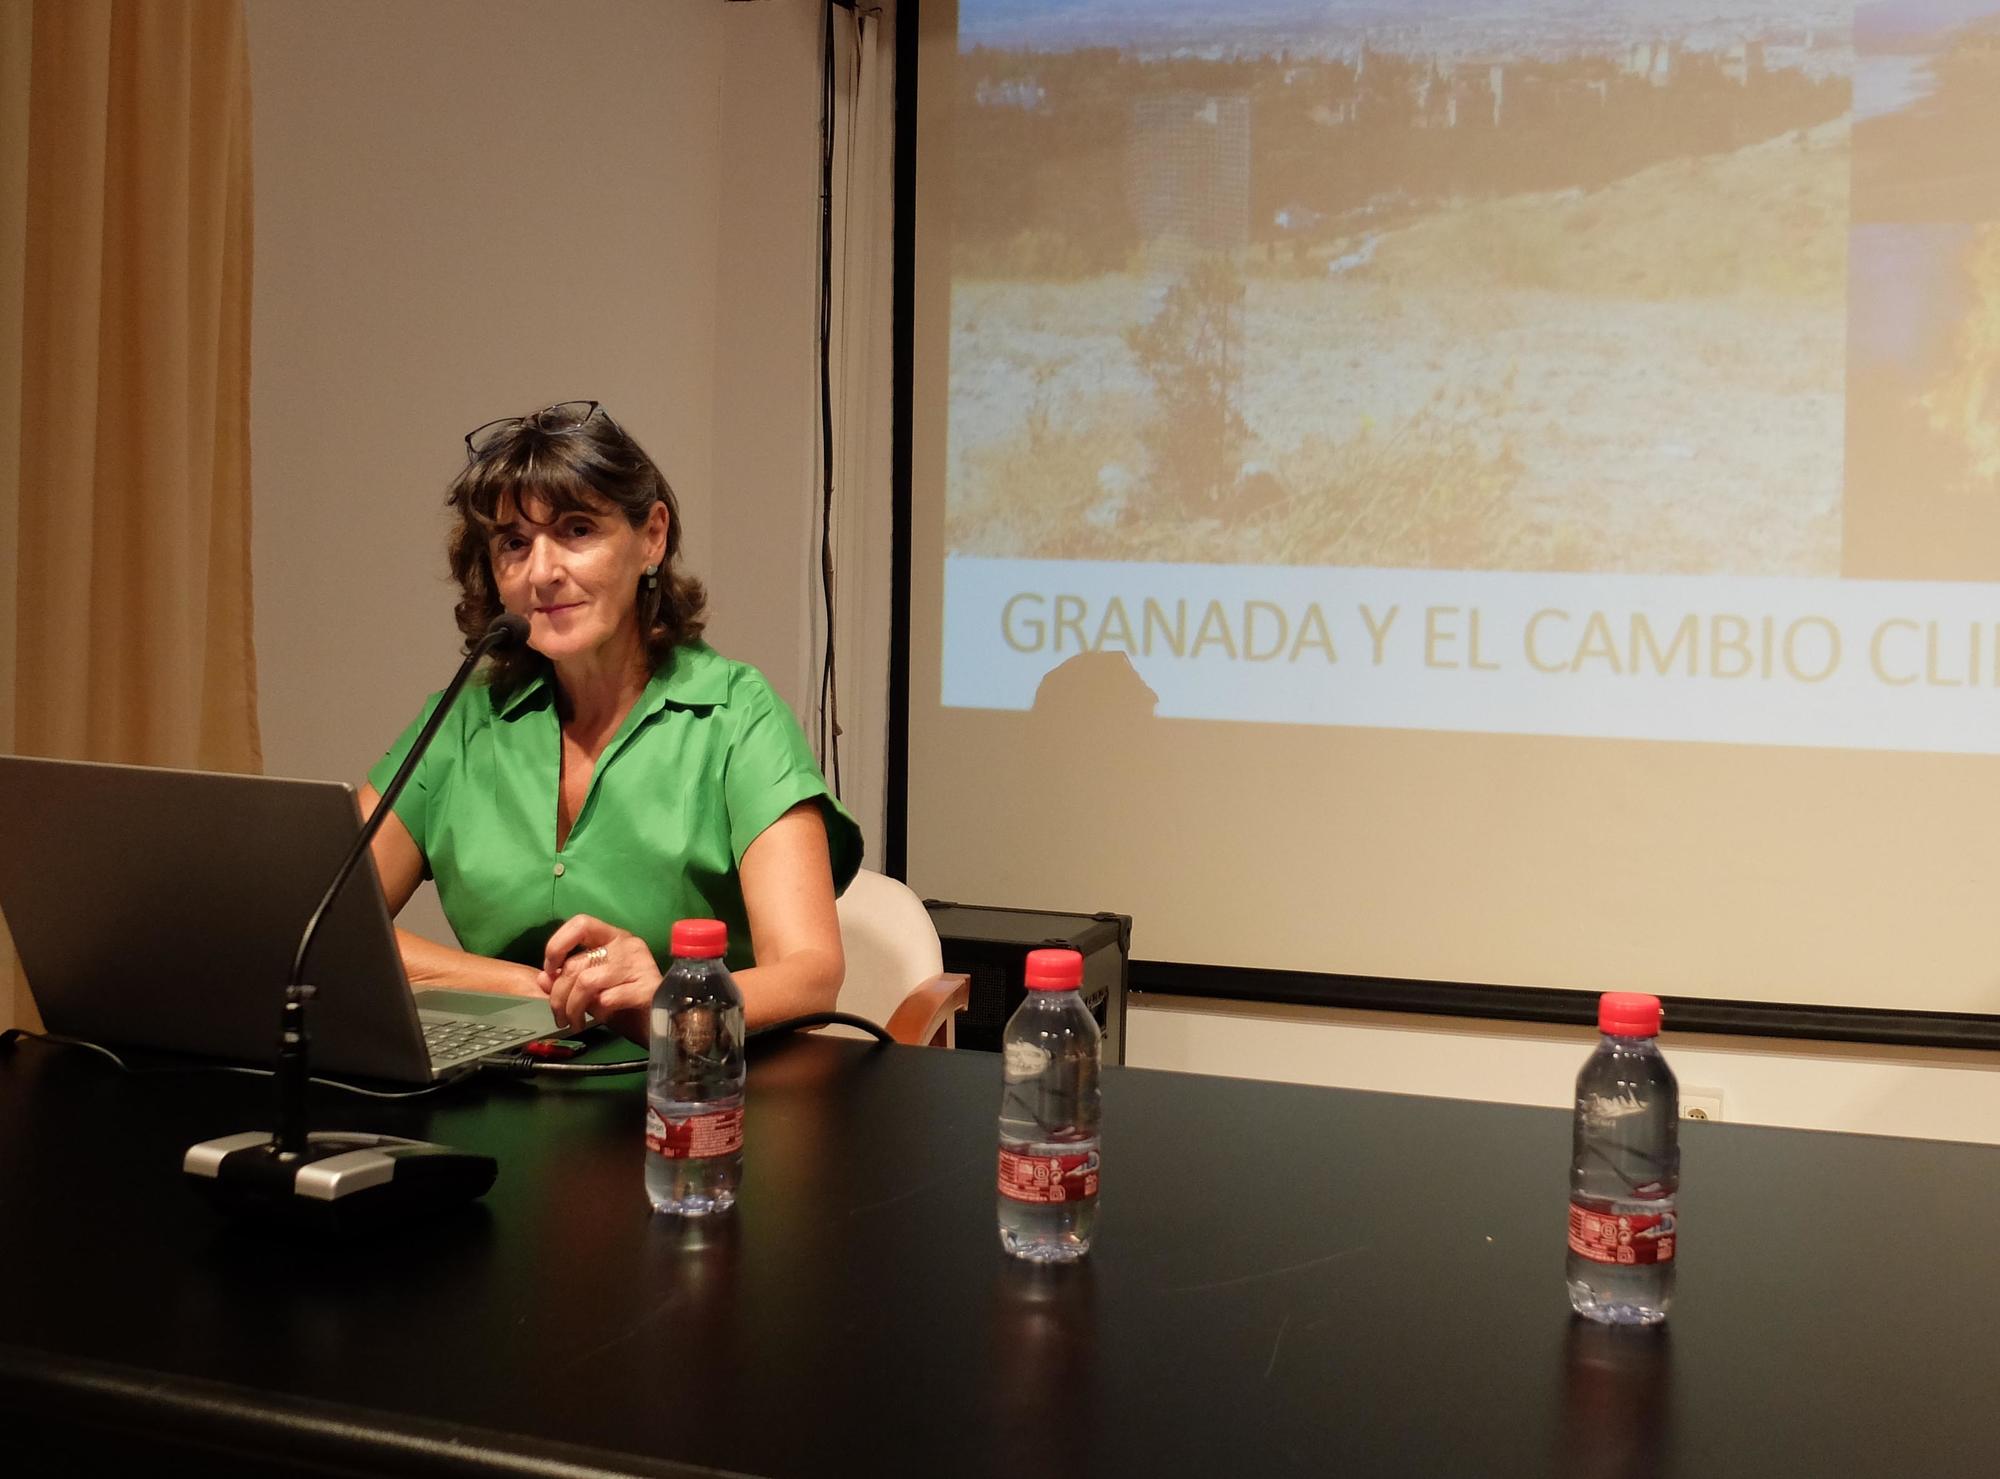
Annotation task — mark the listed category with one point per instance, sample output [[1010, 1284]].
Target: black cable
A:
[[902, 440], [829, 693], [520, 1064], [8, 1037], [527, 1063], [512, 1063], [829, 681], [861, 17], [824, 1019]]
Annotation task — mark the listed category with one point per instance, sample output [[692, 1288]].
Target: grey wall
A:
[[468, 210]]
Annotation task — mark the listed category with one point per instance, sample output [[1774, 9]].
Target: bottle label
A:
[[696, 1138], [1044, 1179], [1607, 1237]]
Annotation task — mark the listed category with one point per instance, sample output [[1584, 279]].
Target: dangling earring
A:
[[652, 577]]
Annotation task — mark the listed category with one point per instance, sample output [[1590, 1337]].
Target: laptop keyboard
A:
[[458, 1039]]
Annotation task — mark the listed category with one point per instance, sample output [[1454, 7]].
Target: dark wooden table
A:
[[1288, 1281]]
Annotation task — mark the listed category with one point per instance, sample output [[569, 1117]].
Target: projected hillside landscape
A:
[[1927, 111], [1923, 431], [1445, 286]]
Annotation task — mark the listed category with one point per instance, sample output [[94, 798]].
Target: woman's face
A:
[[575, 576]]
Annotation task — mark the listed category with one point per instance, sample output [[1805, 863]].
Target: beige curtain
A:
[[16, 18], [126, 140]]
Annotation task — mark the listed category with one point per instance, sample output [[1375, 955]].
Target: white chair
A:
[[895, 966]]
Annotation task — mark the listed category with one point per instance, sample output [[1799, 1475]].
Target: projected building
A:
[[1651, 60], [1190, 174]]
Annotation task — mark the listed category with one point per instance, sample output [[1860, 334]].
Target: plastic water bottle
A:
[[694, 1085], [1050, 1056], [1625, 1171]]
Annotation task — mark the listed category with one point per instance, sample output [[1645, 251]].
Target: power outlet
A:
[[1701, 1104]]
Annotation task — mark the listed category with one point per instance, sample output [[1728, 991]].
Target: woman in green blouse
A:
[[617, 775]]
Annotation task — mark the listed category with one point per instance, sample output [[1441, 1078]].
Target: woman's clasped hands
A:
[[593, 971]]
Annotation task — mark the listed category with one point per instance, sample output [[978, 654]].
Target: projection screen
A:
[[1500, 493]]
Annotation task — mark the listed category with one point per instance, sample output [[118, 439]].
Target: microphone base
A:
[[344, 1182]]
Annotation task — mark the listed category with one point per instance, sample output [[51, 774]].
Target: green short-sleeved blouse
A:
[[707, 759]]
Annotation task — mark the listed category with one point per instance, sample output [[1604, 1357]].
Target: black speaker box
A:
[[991, 947]]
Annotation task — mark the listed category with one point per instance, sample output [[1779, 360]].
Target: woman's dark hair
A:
[[577, 468]]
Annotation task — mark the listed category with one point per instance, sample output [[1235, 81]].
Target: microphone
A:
[[339, 1179]]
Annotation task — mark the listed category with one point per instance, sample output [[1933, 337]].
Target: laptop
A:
[[160, 909]]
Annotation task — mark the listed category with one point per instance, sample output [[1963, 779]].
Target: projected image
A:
[[1923, 429], [1927, 111], [1924, 402], [1444, 286], [1513, 484]]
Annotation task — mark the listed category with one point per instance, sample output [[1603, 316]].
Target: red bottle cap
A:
[[700, 939], [1054, 970], [1628, 1014]]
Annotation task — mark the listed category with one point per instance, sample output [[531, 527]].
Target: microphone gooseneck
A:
[[333, 1180], [504, 630]]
